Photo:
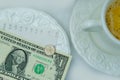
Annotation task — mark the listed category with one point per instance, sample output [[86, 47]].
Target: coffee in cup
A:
[[113, 18]]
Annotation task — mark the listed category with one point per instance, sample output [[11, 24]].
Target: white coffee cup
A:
[[96, 26]]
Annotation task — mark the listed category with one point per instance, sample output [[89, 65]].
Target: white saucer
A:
[[35, 26], [95, 48]]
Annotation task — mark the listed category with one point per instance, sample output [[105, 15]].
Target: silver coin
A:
[[50, 49]]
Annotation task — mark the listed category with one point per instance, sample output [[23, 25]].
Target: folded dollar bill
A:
[[23, 60]]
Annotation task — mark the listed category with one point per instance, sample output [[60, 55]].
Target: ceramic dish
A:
[[94, 47], [35, 26]]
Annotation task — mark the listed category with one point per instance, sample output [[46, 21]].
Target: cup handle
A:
[[92, 26]]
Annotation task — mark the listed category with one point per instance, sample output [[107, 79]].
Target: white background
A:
[[61, 10]]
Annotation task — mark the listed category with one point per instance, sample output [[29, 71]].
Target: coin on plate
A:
[[50, 49]]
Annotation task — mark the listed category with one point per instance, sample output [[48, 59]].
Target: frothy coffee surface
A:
[[113, 18]]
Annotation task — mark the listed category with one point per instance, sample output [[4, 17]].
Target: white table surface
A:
[[61, 10]]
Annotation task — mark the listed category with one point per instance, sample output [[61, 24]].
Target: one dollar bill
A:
[[23, 60]]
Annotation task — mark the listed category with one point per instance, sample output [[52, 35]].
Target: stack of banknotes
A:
[[24, 60]]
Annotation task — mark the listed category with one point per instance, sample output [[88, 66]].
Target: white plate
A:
[[35, 26], [95, 48]]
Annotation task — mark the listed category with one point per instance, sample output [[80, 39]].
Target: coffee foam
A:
[[113, 18]]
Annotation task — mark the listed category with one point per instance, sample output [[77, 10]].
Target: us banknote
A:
[[23, 60]]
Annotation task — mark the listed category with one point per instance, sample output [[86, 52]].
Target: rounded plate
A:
[[36, 26], [86, 43]]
